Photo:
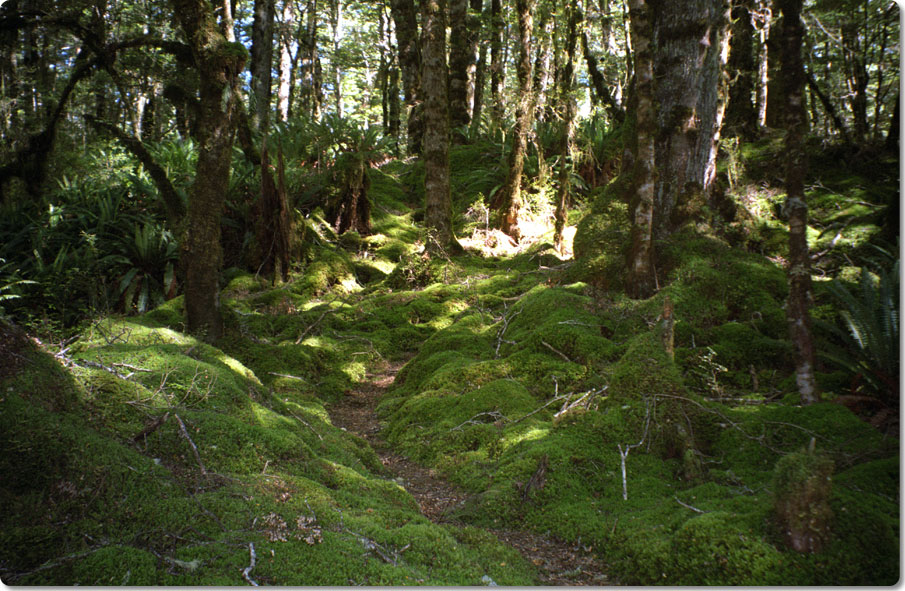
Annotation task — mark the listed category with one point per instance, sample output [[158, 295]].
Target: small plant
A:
[[704, 371], [8, 283]]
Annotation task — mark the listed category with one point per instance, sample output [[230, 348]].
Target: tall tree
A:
[[740, 112], [497, 71], [460, 59], [336, 18], [404, 17], [219, 64], [640, 278], [437, 205], [793, 80], [261, 62], [509, 200], [287, 60], [569, 108], [310, 84]]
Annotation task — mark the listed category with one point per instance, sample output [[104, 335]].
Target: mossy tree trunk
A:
[[543, 73], [764, 20], [219, 64], [310, 91], [569, 109], [640, 279], [793, 80], [403, 12], [438, 210], [497, 73], [287, 60], [690, 45], [509, 202]]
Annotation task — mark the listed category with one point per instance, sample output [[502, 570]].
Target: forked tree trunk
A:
[[793, 80], [510, 201], [640, 279], [438, 211], [219, 65]]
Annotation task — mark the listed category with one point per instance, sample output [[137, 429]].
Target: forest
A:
[[449, 292]]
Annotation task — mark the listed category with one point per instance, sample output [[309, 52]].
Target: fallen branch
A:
[[494, 414], [185, 434], [302, 421], [152, 427], [589, 395], [251, 566], [286, 375], [316, 322], [507, 318], [557, 351], [132, 367], [687, 506]]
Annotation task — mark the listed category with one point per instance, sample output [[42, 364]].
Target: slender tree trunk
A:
[[511, 193], [474, 36], [641, 281], [765, 20], [438, 212], [335, 25], [403, 12], [496, 64], [460, 58], [261, 62], [793, 80], [599, 84], [857, 80], [219, 65], [543, 73], [892, 136], [569, 109], [689, 59], [310, 84], [479, 79], [284, 94]]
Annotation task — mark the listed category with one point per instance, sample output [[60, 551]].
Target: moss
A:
[[801, 487]]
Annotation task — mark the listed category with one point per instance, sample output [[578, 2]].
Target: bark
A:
[[509, 201], [640, 279], [543, 73], [479, 79], [310, 83], [460, 58], [569, 108], [272, 226], [741, 112], [496, 64], [689, 58], [437, 205], [764, 17], [474, 36], [793, 80], [857, 79], [403, 12], [261, 62], [284, 93], [219, 65]]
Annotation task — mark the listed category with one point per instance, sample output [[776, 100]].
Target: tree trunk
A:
[[438, 212], [599, 84], [496, 64], [689, 59], [261, 63], [460, 58], [310, 91], [219, 65], [641, 281], [765, 20], [403, 12], [335, 24], [741, 115], [569, 109], [510, 195], [284, 94], [479, 79], [543, 73], [793, 80], [474, 36]]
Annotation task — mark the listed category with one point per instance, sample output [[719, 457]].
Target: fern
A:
[[869, 332]]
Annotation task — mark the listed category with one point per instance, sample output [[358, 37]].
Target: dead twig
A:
[[494, 414], [286, 375], [185, 434], [316, 322], [302, 421], [247, 571], [687, 506], [623, 453], [507, 318], [555, 350], [151, 427]]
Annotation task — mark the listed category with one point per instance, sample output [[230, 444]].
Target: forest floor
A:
[[558, 562]]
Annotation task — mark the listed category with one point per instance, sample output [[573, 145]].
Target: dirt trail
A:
[[558, 562]]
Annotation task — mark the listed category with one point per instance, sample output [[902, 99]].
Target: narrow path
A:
[[558, 562]]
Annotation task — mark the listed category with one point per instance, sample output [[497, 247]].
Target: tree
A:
[[219, 64], [437, 214], [403, 12], [793, 80], [569, 108], [641, 280], [461, 57], [261, 62], [509, 198]]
